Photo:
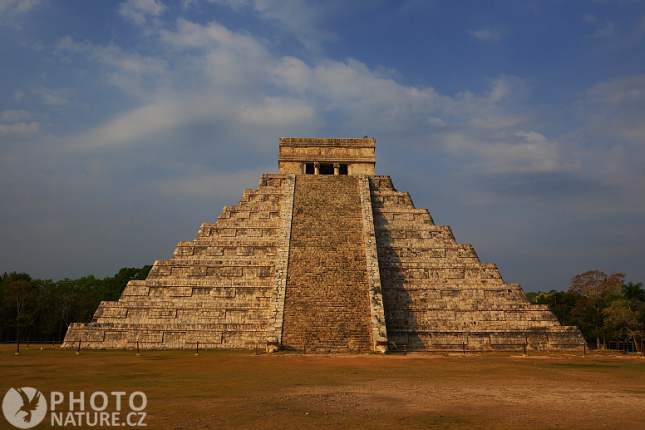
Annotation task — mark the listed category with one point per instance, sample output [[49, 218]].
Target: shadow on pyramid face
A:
[[401, 321]]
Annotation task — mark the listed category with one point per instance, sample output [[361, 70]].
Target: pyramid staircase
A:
[[327, 300]]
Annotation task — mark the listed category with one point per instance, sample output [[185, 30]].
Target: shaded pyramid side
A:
[[438, 295], [215, 290]]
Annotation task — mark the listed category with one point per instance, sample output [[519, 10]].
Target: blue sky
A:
[[521, 124]]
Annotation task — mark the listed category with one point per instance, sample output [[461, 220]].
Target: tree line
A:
[[603, 306], [41, 310]]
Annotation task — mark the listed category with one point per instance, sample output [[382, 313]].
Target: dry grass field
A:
[[239, 390]]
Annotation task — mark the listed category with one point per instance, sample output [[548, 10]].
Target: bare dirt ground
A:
[[237, 389]]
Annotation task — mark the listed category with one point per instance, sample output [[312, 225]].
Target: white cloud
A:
[[113, 56], [506, 151], [152, 121], [603, 33], [357, 93], [436, 121], [131, 127], [501, 89], [138, 11], [501, 122], [18, 95], [204, 184], [629, 90], [15, 7], [212, 37], [135, 74], [589, 18], [20, 128], [67, 44], [14, 115], [12, 11], [486, 35], [277, 111], [301, 17], [53, 97], [617, 108]]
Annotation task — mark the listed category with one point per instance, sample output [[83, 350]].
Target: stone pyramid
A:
[[329, 257]]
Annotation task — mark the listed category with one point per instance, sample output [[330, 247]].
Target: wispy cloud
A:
[[589, 17], [486, 35], [605, 32], [20, 128], [12, 12], [202, 184], [140, 11], [16, 7], [617, 108], [53, 97], [14, 115], [305, 19], [503, 152]]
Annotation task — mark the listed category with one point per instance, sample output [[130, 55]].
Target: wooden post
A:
[[78, 351], [197, 352], [463, 344], [405, 350], [18, 347], [27, 342], [524, 348], [305, 349], [256, 348], [584, 349], [138, 352], [53, 339]]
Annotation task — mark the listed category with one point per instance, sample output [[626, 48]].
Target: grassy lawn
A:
[[237, 389]]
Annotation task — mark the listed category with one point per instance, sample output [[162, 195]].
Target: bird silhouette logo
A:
[[24, 407]]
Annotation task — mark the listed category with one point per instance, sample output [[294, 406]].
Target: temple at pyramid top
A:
[[316, 156]]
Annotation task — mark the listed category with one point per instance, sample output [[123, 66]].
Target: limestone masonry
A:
[[326, 256]]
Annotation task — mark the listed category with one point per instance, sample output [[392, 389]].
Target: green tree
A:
[[58, 301], [561, 304], [634, 292], [621, 316], [594, 287], [20, 299], [114, 286], [46, 308]]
